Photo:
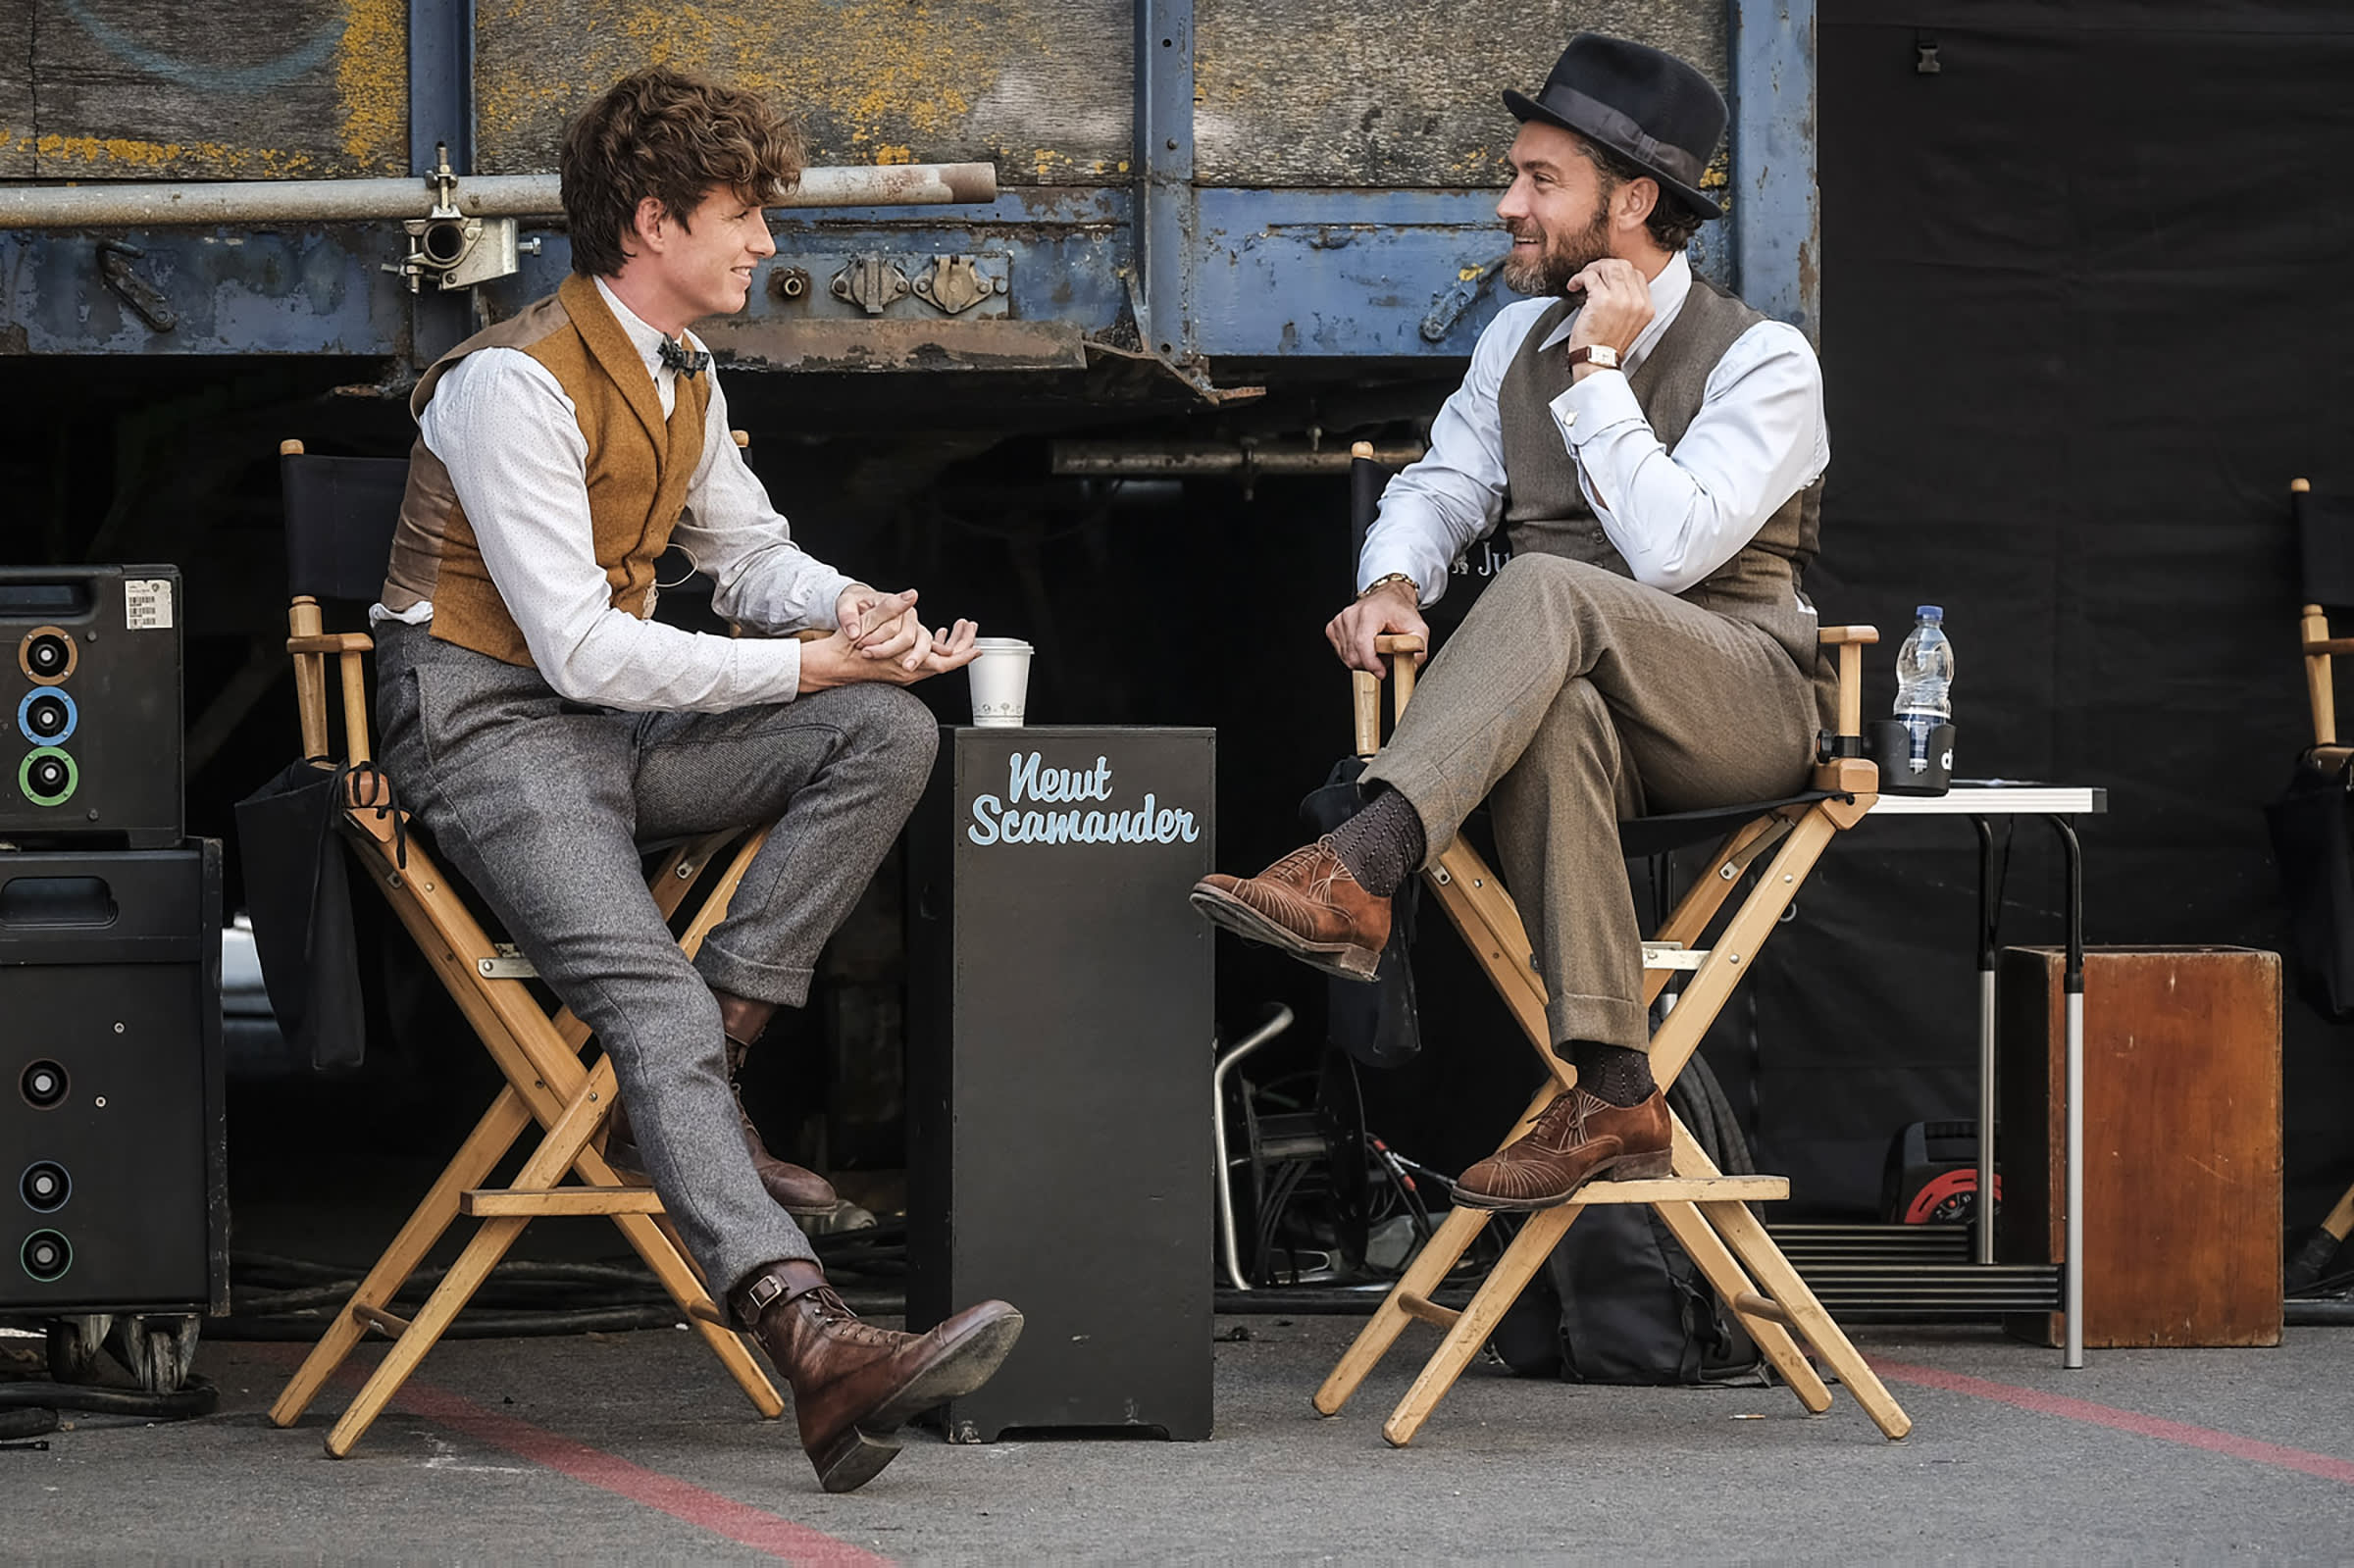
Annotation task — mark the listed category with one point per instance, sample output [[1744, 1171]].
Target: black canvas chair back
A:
[[2325, 547], [339, 518]]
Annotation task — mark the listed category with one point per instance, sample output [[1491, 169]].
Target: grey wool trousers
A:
[[1573, 697], [542, 805]]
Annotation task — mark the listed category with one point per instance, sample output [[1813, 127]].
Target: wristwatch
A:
[[1411, 586], [1601, 356]]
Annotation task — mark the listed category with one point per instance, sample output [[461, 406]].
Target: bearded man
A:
[[1654, 449]]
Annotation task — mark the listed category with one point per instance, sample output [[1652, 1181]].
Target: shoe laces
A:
[[831, 1312], [1319, 886]]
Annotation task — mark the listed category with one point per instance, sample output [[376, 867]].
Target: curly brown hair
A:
[[666, 135], [1671, 224]]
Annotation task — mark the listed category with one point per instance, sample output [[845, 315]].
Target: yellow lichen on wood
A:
[[882, 77], [372, 83], [124, 153]]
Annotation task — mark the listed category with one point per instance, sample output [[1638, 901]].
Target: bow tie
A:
[[685, 361]]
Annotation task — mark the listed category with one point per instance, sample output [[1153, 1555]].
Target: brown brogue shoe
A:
[[1574, 1141], [1308, 905], [802, 1194], [853, 1384]]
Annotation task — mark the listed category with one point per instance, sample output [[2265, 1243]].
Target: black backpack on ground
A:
[[1619, 1301]]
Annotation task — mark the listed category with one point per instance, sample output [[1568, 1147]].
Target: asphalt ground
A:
[[634, 1447]]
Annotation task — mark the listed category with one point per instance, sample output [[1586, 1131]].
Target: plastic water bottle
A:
[[1925, 680]]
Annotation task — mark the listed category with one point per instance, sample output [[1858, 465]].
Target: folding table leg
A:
[[472, 1165], [1504, 1285]]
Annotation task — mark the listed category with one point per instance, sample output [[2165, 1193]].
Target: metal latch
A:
[[510, 964], [145, 300]]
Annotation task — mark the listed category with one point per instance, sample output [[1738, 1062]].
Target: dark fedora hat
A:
[[1637, 101]]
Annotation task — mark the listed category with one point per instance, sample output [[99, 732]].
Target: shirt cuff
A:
[[1600, 402], [777, 667], [824, 614]]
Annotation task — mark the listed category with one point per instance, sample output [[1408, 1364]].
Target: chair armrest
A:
[[1851, 641], [1397, 642], [2331, 646], [331, 642]]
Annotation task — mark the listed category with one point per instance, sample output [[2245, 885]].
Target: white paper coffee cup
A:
[[1001, 678]]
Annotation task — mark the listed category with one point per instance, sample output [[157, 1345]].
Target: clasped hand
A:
[[879, 637], [1390, 608]]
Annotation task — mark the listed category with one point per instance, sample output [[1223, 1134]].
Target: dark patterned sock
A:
[[1381, 843], [1611, 1074]]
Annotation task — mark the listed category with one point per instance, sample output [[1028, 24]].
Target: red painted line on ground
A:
[[2101, 1415], [680, 1500]]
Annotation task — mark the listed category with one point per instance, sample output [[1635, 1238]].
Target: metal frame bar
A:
[[441, 115], [1167, 219], [1775, 212]]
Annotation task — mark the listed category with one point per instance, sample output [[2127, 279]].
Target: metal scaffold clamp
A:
[[455, 250]]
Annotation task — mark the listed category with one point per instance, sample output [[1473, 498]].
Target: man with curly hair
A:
[[543, 725]]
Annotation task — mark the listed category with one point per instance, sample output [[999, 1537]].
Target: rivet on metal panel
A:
[[788, 282]]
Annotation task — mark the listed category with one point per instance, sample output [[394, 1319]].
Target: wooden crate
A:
[[2181, 1139]]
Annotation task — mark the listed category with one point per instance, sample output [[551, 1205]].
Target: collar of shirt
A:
[[647, 340], [1667, 292]]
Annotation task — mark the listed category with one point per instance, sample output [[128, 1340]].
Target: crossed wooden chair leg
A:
[[1706, 1210], [547, 1084]]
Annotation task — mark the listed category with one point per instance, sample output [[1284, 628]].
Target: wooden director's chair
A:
[[1706, 1210], [339, 516], [2325, 542]]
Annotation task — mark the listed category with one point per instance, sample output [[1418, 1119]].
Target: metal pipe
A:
[[1276, 1023], [300, 201], [1178, 459]]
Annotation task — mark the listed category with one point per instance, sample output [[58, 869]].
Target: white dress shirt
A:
[[516, 457], [1676, 516]]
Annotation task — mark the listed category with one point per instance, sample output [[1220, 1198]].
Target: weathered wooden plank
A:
[[15, 89], [171, 90], [1038, 87], [1353, 93]]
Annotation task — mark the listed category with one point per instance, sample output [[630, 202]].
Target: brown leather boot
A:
[[854, 1385], [1574, 1139], [1308, 905], [799, 1193]]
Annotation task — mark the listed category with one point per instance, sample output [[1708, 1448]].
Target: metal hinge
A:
[[510, 964]]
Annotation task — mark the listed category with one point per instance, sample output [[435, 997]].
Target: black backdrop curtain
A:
[[2086, 311]]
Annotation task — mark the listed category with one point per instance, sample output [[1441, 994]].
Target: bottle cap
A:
[[1929, 612]]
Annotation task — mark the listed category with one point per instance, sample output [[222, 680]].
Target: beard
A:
[[1558, 260]]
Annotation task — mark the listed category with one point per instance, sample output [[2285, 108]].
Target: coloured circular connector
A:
[[43, 1086], [47, 776], [47, 654], [46, 1187], [46, 1256], [47, 717]]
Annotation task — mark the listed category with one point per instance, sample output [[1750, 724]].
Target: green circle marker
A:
[[24, 777]]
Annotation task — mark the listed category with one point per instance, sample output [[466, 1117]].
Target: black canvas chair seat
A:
[[1641, 837]]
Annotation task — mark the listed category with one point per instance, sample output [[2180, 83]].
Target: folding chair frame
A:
[[547, 1084], [1706, 1210], [2320, 696]]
